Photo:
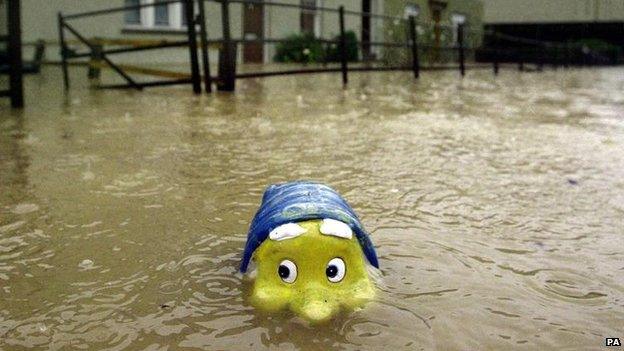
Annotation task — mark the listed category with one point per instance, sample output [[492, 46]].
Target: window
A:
[[411, 10], [169, 16], [161, 14], [456, 20], [308, 17], [132, 16]]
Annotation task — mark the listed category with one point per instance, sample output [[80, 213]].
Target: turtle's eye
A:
[[287, 270], [335, 270]]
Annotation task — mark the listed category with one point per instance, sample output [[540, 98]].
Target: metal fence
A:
[[14, 55], [407, 43]]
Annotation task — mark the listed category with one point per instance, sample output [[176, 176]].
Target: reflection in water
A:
[[495, 204]]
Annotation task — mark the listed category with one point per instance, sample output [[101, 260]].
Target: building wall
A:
[[552, 11], [396, 30], [40, 22], [281, 22], [596, 26], [472, 9]]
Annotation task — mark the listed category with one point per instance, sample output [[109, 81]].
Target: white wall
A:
[[549, 11], [39, 21]]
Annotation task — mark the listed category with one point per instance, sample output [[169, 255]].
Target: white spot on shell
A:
[[286, 231], [336, 228]]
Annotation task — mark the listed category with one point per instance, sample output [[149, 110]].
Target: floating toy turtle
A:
[[312, 262]]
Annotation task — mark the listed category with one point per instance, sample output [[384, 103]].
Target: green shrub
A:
[[306, 48], [333, 51], [596, 44], [614, 53], [300, 48]]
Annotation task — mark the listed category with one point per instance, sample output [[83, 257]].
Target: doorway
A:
[[436, 7], [253, 29]]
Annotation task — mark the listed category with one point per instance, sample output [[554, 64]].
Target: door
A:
[[436, 6], [436, 16], [253, 28]]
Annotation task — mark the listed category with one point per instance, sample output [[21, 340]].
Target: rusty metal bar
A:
[[192, 40], [460, 39], [414, 40], [15, 54], [343, 47], [204, 46]]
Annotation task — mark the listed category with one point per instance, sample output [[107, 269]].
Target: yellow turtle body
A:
[[313, 274]]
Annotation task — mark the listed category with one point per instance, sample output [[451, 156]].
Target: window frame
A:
[[147, 17]]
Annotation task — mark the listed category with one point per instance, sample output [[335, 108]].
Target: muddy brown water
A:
[[496, 206]]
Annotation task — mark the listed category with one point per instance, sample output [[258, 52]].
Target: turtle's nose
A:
[[317, 311], [316, 305]]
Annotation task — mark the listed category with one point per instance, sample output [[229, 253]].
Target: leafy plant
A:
[[306, 48], [300, 48], [333, 51]]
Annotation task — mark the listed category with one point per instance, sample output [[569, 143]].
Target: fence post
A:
[[414, 39], [95, 61], [566, 57], [204, 46], [15, 53], [540, 57], [227, 56], [460, 39], [61, 29], [192, 40], [495, 58], [343, 47], [366, 35], [495, 55]]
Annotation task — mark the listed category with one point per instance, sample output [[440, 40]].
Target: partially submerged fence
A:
[[14, 55], [407, 41], [96, 50]]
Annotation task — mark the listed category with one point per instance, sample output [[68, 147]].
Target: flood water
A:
[[496, 206]]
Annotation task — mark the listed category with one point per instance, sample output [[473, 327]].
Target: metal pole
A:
[[343, 47], [366, 26], [227, 56], [15, 54], [95, 61], [192, 39], [495, 53], [496, 62], [414, 38], [61, 30], [460, 39], [566, 58], [204, 46], [540, 58]]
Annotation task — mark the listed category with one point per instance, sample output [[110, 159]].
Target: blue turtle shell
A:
[[300, 201]]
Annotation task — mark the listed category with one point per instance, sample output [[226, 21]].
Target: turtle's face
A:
[[314, 274]]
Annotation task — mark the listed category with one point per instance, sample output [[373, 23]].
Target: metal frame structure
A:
[[227, 75], [14, 46], [194, 78]]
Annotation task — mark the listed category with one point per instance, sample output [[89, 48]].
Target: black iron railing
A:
[[506, 48], [14, 55]]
